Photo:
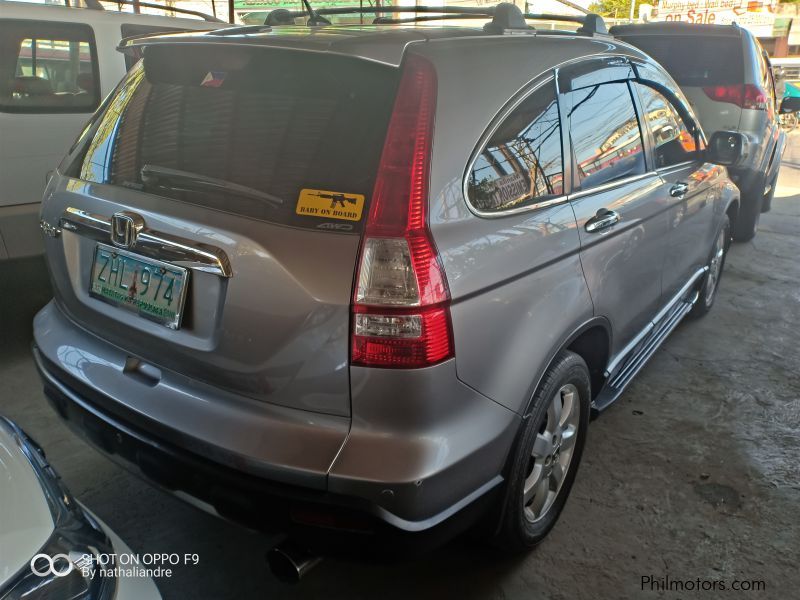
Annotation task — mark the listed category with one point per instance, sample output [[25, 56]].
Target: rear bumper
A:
[[450, 487]]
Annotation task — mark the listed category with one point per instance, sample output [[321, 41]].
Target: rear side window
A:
[[47, 68], [521, 164], [245, 130], [674, 143], [696, 60], [605, 135]]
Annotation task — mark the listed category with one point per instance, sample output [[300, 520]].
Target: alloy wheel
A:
[[552, 453]]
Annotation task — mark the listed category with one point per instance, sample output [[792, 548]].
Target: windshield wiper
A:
[[186, 181]]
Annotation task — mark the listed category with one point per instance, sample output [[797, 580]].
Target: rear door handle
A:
[[604, 218], [679, 190]]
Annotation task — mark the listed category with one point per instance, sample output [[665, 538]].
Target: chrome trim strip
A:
[[153, 244], [622, 354], [676, 167], [613, 184]]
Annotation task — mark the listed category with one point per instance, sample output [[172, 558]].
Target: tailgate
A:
[[243, 175]]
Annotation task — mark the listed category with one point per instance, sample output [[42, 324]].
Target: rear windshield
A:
[[245, 131], [695, 60]]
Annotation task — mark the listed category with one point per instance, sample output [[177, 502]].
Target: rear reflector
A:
[[744, 96], [401, 314]]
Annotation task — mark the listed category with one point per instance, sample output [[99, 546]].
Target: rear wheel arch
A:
[[593, 344]]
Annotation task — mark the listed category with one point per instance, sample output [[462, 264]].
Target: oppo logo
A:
[[59, 565]]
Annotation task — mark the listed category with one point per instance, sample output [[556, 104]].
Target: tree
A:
[[620, 9]]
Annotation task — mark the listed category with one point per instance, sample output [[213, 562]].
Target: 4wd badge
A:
[[330, 205]]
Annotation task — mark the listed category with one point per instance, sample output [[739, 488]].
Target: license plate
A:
[[150, 288]]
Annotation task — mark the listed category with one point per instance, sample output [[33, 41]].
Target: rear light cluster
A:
[[744, 96], [401, 315]]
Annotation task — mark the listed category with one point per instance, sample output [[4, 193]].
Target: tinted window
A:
[[273, 122], [47, 68], [673, 141], [605, 134], [521, 163], [695, 60]]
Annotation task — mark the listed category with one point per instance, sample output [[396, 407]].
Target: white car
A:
[[49, 543], [56, 66]]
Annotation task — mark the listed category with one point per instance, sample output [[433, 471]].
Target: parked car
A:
[[56, 65], [728, 79], [51, 545], [361, 282]]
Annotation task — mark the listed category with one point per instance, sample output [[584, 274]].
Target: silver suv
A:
[[728, 79], [372, 281]]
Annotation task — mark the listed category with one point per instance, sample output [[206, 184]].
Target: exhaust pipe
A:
[[290, 563]]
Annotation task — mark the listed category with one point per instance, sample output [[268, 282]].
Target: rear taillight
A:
[[401, 315], [744, 96]]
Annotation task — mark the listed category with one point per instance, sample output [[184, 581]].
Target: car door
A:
[[687, 183], [49, 86], [619, 204]]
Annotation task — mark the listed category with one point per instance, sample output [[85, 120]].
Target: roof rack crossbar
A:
[[423, 18], [590, 23]]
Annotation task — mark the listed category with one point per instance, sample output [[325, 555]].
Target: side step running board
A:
[[620, 379]]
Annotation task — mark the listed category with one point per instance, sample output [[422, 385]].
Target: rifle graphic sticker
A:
[[330, 205]]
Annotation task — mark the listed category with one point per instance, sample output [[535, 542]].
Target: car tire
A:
[[750, 212], [709, 284], [539, 462]]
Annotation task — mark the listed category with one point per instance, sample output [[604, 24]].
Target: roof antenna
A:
[[313, 17]]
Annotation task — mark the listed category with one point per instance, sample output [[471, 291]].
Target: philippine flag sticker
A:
[[213, 79]]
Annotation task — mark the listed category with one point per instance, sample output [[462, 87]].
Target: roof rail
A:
[[505, 17], [96, 5]]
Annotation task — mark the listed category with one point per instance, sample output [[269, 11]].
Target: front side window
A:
[[605, 134], [47, 68], [521, 164], [674, 143]]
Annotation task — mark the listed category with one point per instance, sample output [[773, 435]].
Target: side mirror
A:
[[790, 105], [726, 148]]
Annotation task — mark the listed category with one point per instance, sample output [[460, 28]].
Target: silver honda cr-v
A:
[[371, 282]]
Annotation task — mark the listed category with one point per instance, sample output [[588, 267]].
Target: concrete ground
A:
[[692, 474]]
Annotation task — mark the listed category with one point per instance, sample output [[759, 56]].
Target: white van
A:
[[56, 66]]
